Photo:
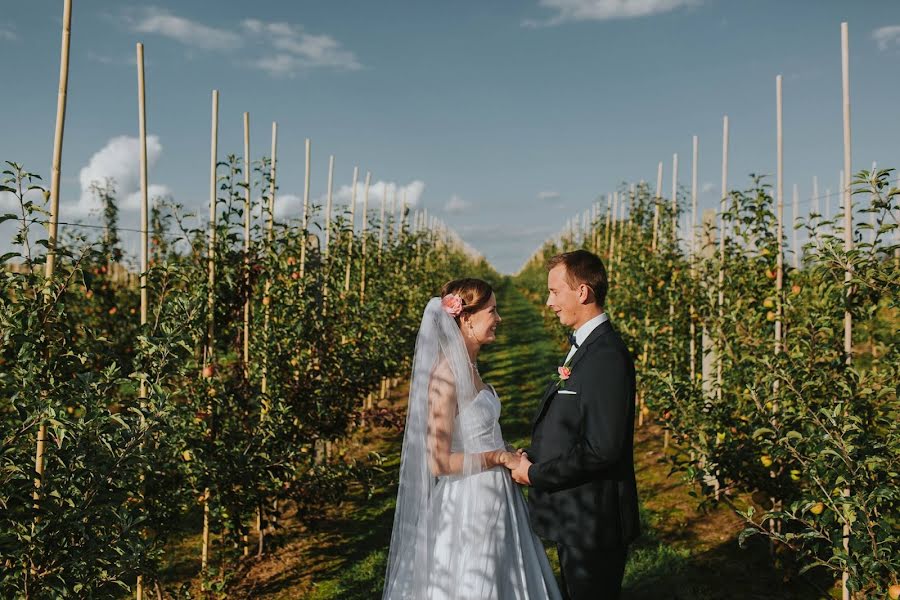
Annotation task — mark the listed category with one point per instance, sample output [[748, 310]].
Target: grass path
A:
[[684, 554]]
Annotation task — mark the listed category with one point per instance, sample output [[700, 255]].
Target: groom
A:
[[580, 463]]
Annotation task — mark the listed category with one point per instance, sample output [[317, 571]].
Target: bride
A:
[[461, 528]]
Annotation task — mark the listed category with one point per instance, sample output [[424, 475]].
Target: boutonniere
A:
[[562, 374]]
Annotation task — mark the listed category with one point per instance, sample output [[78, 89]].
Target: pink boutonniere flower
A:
[[452, 304], [562, 374]]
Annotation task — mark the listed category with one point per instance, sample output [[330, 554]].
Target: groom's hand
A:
[[520, 473]]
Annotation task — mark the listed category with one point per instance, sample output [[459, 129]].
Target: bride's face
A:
[[482, 325]]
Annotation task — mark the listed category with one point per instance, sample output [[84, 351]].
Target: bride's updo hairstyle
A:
[[474, 293]]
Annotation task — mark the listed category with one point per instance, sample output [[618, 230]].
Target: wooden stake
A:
[[365, 219], [779, 232], [270, 225], [142, 140], [381, 222], [142, 124], [264, 384], [305, 224], [675, 198], [393, 210], [350, 232], [675, 245], [328, 203], [272, 186], [247, 209], [794, 219], [816, 206], [848, 247], [612, 236], [693, 255], [656, 203], [53, 223], [722, 235], [209, 355], [608, 231]]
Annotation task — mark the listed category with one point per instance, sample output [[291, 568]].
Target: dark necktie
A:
[[572, 340]]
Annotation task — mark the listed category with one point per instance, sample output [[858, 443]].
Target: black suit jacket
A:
[[584, 492]]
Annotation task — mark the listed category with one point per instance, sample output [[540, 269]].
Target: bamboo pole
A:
[[693, 255], [816, 206], [722, 235], [779, 232], [848, 247], [675, 198], [209, 354], [270, 225], [328, 203], [305, 223], [606, 231], [675, 245], [611, 249], [350, 232], [381, 222], [248, 208], [264, 384], [53, 223], [621, 230], [142, 124], [393, 209], [403, 208], [142, 140], [795, 216], [365, 220], [656, 202]]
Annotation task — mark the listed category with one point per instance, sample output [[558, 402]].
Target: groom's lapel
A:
[[551, 389], [601, 329]]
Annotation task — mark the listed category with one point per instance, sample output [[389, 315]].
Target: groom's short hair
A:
[[583, 267]]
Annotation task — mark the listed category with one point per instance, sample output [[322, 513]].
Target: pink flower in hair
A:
[[452, 305]]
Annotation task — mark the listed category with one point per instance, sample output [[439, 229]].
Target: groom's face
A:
[[562, 299]]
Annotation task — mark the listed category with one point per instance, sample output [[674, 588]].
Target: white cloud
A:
[[9, 203], [548, 195], [7, 34], [288, 206], [159, 21], [887, 36], [119, 160], [280, 49], [289, 50], [567, 11], [707, 187], [456, 205], [413, 191]]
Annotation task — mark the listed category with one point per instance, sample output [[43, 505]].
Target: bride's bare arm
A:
[[441, 414]]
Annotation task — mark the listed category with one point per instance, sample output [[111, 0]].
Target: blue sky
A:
[[504, 119]]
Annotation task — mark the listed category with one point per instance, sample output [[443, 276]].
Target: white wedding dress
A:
[[465, 536], [496, 556]]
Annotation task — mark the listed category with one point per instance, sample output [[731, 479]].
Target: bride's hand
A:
[[510, 460]]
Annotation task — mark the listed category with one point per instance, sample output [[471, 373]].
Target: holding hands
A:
[[517, 462]]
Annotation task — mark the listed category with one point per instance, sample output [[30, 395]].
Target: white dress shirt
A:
[[582, 333]]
